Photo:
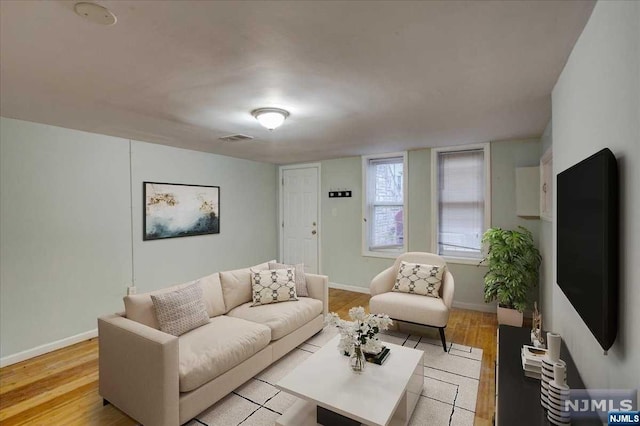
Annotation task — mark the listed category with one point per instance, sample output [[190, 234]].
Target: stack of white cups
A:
[[557, 412], [553, 389], [553, 356]]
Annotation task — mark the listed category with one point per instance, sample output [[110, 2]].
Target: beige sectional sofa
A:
[[160, 379]]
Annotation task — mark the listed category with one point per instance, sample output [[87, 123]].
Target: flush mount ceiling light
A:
[[95, 13], [271, 118]]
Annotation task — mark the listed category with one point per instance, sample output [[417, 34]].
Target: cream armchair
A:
[[413, 308]]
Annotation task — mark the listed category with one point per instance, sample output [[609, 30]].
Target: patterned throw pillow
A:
[[181, 310], [273, 286], [415, 278], [301, 280]]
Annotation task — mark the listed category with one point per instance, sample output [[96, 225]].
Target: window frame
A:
[[486, 147], [366, 206]]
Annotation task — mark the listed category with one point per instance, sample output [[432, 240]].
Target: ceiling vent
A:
[[95, 13], [236, 138]]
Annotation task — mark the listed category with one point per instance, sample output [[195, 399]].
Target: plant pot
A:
[[508, 316]]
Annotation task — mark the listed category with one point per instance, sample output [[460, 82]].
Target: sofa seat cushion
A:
[[281, 318], [411, 307], [214, 348]]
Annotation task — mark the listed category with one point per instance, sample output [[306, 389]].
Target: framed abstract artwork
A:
[[177, 210]]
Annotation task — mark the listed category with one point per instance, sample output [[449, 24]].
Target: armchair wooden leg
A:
[[444, 340]]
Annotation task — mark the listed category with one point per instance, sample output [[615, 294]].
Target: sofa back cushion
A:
[[139, 307], [236, 285]]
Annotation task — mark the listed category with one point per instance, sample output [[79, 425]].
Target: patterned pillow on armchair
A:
[[415, 278]]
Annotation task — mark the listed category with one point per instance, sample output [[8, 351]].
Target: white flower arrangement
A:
[[363, 329]]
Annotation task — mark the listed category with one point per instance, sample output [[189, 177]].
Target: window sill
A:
[[383, 254], [462, 260]]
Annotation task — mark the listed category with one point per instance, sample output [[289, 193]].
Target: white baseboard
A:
[[48, 347], [347, 287], [482, 307]]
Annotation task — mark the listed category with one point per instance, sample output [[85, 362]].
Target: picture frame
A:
[[174, 210]]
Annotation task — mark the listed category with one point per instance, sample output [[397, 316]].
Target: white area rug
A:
[[449, 396]]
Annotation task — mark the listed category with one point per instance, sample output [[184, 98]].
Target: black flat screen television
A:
[[587, 242]]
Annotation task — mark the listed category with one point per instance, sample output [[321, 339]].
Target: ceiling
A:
[[357, 77]]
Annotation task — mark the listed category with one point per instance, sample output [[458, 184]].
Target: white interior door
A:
[[300, 227]]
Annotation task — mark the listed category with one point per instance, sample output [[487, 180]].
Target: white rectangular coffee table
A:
[[381, 395]]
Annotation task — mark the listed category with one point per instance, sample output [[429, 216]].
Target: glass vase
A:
[[358, 361]]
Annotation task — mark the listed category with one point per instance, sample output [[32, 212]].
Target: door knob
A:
[[313, 232]]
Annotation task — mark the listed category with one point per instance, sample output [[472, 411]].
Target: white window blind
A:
[[385, 204], [461, 203]]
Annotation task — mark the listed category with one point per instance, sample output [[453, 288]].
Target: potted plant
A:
[[513, 262]]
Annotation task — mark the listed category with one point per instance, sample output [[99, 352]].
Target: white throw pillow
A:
[[415, 278], [181, 310], [273, 286], [301, 280]]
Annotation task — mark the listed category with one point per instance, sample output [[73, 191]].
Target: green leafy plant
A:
[[513, 262]]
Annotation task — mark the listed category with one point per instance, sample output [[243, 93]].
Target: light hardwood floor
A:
[[61, 388]]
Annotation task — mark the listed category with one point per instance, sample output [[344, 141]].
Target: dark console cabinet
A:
[[517, 396]]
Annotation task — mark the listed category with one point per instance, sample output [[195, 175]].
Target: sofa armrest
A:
[[139, 370], [448, 288], [318, 287], [383, 282]]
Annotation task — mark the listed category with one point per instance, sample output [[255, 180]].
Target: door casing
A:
[[281, 170]]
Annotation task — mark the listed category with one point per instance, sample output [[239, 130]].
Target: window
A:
[[461, 200], [384, 225]]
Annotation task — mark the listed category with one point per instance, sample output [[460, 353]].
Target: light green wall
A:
[[596, 104], [65, 226], [65, 241], [419, 213], [546, 250], [505, 157], [341, 245], [341, 249], [248, 208]]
